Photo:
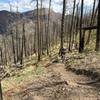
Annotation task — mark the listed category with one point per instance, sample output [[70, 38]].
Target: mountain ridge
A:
[[7, 18]]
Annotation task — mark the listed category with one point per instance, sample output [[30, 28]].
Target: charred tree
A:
[[92, 21], [1, 56], [81, 38], [62, 25], [5, 50], [71, 28], [17, 50], [98, 29], [38, 32], [41, 29], [13, 47], [1, 95], [21, 55], [48, 28], [24, 40]]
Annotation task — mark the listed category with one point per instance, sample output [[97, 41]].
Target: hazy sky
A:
[[25, 5]]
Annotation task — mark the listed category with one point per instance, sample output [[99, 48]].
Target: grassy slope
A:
[[31, 70]]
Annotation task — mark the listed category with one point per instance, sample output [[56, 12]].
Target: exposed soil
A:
[[76, 81]]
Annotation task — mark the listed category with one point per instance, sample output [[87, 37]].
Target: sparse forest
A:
[[50, 54]]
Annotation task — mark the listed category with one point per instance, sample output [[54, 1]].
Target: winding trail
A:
[[59, 82], [66, 76]]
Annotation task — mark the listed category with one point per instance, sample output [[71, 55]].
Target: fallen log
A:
[[89, 28], [90, 82], [37, 88], [48, 85]]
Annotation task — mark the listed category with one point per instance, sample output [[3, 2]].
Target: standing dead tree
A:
[[38, 32], [81, 36], [98, 29], [92, 21], [97, 48], [48, 28], [1, 56], [13, 47], [22, 52], [1, 95], [62, 25], [71, 28]]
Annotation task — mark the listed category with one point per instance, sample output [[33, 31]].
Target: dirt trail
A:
[[51, 86], [66, 76], [70, 77]]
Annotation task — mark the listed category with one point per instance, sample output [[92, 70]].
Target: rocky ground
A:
[[77, 79]]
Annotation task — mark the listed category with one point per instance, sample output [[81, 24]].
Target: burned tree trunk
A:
[[17, 50], [62, 24], [21, 56], [81, 41], [77, 22], [48, 28], [13, 48], [98, 30], [5, 50], [92, 18], [1, 95], [38, 32], [1, 56], [71, 28], [35, 38], [24, 40]]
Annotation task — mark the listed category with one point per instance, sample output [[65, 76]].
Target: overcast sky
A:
[[25, 5]]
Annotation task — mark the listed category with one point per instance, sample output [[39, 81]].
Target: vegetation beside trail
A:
[[50, 55]]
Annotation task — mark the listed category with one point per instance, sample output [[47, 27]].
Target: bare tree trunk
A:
[[48, 28], [71, 28], [77, 22], [13, 48], [1, 95], [5, 51], [1, 54], [24, 40], [81, 43], [21, 56], [62, 24], [93, 11], [38, 32], [41, 28], [35, 39], [17, 50], [98, 30]]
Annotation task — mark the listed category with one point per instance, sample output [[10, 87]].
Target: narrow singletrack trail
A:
[[58, 84]]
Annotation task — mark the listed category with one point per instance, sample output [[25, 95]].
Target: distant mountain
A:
[[44, 11], [7, 18]]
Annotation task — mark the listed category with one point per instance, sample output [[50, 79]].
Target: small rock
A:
[[99, 93], [94, 60]]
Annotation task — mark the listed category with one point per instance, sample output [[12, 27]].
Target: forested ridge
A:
[[49, 55]]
